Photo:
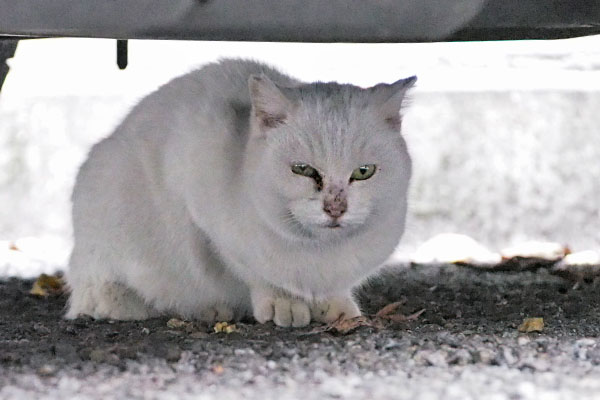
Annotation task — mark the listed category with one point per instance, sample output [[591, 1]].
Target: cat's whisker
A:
[[290, 219]]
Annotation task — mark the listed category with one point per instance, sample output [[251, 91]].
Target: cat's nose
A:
[[335, 202], [334, 208]]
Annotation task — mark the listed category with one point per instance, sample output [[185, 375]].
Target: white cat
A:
[[237, 190]]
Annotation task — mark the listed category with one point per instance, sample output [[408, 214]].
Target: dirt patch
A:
[[469, 315]]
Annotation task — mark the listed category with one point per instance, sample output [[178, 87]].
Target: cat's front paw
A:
[[334, 308], [108, 300], [283, 311]]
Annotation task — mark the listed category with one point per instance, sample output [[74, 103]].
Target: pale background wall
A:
[[505, 167], [504, 136]]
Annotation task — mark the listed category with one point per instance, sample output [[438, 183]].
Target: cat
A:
[[237, 191]]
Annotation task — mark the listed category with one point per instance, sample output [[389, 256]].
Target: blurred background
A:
[[504, 135]]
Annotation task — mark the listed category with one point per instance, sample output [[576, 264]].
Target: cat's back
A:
[[227, 79], [212, 91], [205, 102], [201, 113]]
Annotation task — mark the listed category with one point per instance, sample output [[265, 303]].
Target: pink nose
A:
[[335, 207]]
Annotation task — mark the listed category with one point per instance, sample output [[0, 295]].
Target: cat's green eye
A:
[[310, 172], [304, 169], [363, 172]]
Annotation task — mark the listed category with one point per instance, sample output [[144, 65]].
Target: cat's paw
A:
[[283, 311], [108, 300], [220, 313], [332, 309]]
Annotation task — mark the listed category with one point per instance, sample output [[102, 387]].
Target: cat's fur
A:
[[190, 207]]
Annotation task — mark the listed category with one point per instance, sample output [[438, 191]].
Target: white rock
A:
[[536, 249], [588, 257], [452, 248], [29, 257]]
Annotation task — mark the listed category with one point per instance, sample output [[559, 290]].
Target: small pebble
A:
[[460, 357], [97, 355], [46, 370], [41, 328], [271, 365], [485, 356], [508, 355], [198, 335], [170, 353], [585, 342], [432, 358]]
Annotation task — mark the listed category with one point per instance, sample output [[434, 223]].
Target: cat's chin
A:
[[325, 231], [335, 230]]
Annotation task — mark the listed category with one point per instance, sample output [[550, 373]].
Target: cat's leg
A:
[[333, 308], [107, 300], [268, 305]]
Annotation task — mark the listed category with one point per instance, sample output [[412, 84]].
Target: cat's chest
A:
[[300, 268]]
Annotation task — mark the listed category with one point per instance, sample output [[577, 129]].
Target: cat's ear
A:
[[390, 97], [270, 106]]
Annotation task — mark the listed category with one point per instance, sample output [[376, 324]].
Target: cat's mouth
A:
[[333, 225]]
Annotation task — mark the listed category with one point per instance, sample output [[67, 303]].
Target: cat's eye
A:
[[304, 169], [310, 172], [363, 172]]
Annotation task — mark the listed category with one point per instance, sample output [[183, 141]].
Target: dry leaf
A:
[[389, 309], [225, 327], [175, 323], [46, 285], [404, 318], [532, 325], [388, 312], [218, 369], [344, 326]]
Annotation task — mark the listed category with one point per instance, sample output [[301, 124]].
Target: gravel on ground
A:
[[465, 345]]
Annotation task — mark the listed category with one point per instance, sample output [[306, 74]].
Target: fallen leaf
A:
[[175, 323], [403, 318], [218, 369], [344, 326], [46, 285], [389, 312], [224, 327], [389, 309], [532, 325]]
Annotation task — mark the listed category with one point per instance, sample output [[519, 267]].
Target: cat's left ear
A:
[[270, 106], [390, 97]]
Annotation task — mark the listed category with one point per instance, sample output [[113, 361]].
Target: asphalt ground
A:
[[466, 344]]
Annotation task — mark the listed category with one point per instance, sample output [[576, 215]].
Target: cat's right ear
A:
[[390, 99], [270, 106]]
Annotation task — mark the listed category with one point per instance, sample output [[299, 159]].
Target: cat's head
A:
[[325, 159]]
